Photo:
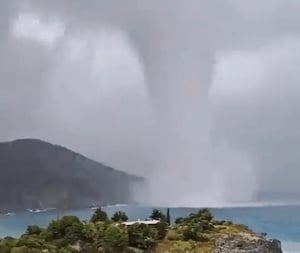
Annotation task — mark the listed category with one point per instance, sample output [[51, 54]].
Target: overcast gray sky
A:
[[199, 96]]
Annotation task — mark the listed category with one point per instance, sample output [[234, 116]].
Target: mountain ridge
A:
[[34, 171]]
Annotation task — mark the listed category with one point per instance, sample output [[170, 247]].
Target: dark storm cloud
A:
[[201, 93]]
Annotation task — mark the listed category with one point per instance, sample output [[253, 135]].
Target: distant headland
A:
[[38, 175]]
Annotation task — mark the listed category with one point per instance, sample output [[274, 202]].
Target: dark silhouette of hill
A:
[[37, 174]]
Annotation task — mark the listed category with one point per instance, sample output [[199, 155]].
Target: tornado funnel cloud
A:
[[199, 97]]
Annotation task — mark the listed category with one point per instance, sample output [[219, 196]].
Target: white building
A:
[[147, 222]]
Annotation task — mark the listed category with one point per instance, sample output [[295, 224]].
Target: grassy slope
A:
[[173, 242]]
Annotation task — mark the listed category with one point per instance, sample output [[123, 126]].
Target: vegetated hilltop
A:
[[37, 174], [197, 233]]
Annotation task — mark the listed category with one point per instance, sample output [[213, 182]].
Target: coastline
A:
[[196, 231], [278, 222]]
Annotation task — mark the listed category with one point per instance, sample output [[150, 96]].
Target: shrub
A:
[[201, 215], [89, 232], [34, 230], [141, 236], [182, 247], [115, 239], [162, 229], [7, 244], [205, 214], [179, 220], [194, 232], [174, 236], [30, 242], [190, 233], [218, 222]]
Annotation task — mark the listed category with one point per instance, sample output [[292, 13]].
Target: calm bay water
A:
[[281, 222]]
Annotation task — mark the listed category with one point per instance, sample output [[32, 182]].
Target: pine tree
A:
[[99, 215], [168, 216]]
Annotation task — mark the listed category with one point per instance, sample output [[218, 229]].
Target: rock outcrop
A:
[[246, 244]]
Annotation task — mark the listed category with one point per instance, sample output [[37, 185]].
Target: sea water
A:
[[281, 222]]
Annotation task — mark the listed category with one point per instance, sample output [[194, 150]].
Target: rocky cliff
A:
[[37, 174], [246, 243]]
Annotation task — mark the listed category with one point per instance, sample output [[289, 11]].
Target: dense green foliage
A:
[[34, 230], [102, 235], [115, 239], [99, 215], [158, 215], [119, 216], [142, 236], [162, 229]]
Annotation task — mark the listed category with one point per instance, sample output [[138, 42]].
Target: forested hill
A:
[[37, 174]]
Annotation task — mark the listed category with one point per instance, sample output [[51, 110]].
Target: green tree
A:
[[119, 216], [157, 215], [68, 228], [99, 215]]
